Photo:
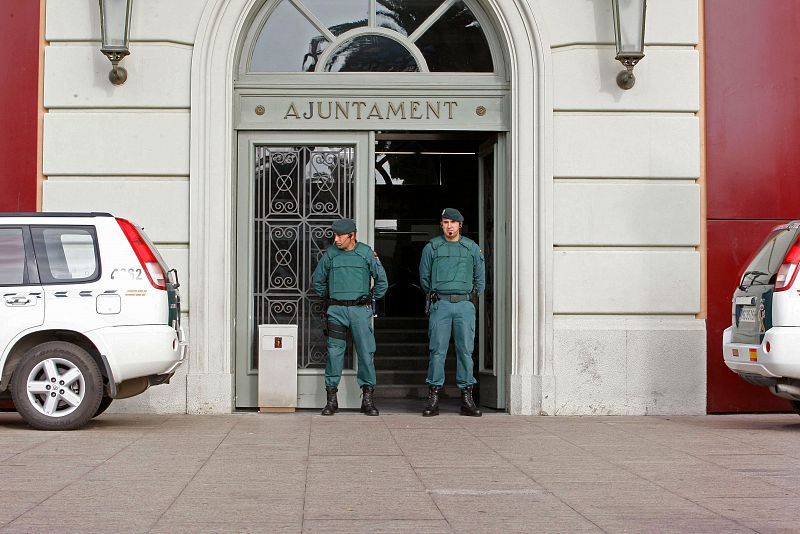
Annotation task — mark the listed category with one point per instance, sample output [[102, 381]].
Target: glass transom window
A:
[[371, 36]]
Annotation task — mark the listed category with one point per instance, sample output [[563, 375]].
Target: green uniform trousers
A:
[[459, 318], [359, 320]]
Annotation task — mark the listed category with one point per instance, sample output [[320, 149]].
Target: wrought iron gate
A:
[[298, 192]]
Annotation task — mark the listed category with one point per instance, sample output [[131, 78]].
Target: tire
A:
[[70, 406], [795, 406], [104, 404]]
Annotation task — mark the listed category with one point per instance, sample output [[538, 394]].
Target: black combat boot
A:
[[433, 402], [332, 406], [468, 406], [367, 401]]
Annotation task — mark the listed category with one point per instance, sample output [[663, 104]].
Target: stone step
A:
[[395, 378], [413, 350], [401, 335], [408, 363], [413, 323], [416, 392]]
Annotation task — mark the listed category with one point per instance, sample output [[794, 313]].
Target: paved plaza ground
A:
[[400, 472]]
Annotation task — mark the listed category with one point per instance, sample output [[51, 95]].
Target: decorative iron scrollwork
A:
[[299, 191]]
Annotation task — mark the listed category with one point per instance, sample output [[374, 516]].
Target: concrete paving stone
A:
[[755, 508], [458, 443], [498, 424], [53, 461], [254, 467], [475, 479], [520, 511], [88, 526], [150, 468], [713, 483], [127, 422], [259, 527], [790, 483], [356, 439], [563, 489], [403, 526], [551, 472], [444, 458], [245, 510], [676, 525], [277, 436], [756, 463], [771, 527], [534, 446], [388, 504], [16, 501], [365, 472], [633, 505], [245, 490], [265, 450], [278, 476], [102, 505], [416, 421]]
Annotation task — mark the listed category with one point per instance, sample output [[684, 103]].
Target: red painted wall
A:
[[752, 160], [19, 104]]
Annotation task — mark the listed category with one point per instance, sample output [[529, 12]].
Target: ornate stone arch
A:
[[213, 168]]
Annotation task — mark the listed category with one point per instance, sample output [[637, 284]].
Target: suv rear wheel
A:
[[57, 386]]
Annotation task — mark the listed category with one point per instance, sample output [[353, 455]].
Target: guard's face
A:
[[345, 241], [451, 228]]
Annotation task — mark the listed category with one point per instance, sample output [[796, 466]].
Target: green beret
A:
[[343, 226], [452, 214]]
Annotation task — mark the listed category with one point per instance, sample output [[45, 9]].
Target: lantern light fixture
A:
[[629, 18], [115, 26]]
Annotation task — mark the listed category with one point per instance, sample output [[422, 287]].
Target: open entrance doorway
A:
[[291, 186], [417, 175]]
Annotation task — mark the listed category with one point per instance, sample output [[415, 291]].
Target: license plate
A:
[[748, 314]]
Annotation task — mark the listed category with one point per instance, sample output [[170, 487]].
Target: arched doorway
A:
[[330, 102]]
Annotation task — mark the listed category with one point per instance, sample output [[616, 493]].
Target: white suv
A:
[[90, 313], [762, 345]]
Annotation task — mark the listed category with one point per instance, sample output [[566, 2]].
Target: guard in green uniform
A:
[[451, 272], [344, 275]]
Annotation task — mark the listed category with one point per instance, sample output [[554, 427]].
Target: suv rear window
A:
[[66, 254], [12, 257], [771, 254]]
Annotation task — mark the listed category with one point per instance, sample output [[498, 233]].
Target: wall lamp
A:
[[115, 27], [629, 34]]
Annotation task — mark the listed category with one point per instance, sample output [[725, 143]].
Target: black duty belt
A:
[[451, 298], [359, 302]]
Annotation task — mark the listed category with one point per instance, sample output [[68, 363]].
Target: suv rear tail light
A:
[[146, 257], [788, 269]]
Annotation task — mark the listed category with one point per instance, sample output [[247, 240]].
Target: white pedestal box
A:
[[277, 368]]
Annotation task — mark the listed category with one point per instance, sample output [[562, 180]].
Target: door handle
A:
[[18, 301]]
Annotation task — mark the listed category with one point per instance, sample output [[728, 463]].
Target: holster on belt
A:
[[324, 316]]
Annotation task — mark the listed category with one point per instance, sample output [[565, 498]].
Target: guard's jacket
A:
[[345, 275], [452, 268]]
